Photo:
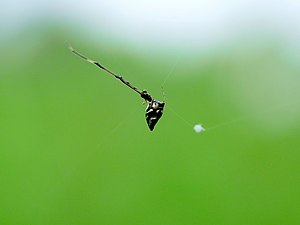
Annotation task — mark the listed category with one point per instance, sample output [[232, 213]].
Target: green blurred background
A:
[[74, 144]]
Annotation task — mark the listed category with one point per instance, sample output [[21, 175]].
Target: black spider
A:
[[154, 109]]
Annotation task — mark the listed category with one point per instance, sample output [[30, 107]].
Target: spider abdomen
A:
[[154, 112]]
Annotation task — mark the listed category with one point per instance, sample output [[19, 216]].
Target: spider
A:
[[154, 108]]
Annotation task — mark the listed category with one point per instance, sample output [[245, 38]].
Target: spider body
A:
[[154, 111]]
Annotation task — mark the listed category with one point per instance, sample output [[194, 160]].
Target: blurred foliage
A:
[[75, 147]]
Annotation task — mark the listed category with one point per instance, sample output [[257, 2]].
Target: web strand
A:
[[180, 117], [171, 71]]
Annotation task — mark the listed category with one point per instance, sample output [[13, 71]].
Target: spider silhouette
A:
[[154, 108]]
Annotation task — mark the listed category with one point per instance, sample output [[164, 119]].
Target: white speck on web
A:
[[198, 128]]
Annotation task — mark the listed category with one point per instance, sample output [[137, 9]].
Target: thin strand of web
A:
[[227, 123], [171, 71], [246, 117], [180, 117]]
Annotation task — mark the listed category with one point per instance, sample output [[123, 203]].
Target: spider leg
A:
[[123, 80]]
